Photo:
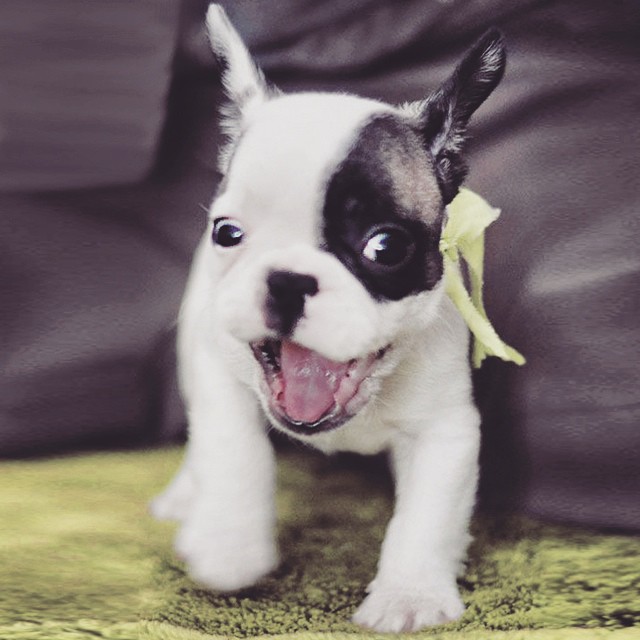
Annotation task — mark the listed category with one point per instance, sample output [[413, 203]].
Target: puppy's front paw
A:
[[226, 563], [396, 608]]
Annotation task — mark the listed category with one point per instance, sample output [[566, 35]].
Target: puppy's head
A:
[[325, 228]]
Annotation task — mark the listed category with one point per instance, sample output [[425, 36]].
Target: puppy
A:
[[316, 300]]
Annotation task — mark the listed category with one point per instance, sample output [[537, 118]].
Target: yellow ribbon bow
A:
[[463, 236]]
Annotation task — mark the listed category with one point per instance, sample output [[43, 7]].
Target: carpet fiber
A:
[[80, 558]]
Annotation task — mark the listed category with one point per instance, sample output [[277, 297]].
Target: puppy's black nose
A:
[[284, 304]]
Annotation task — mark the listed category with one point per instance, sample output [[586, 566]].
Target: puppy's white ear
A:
[[243, 81], [443, 117]]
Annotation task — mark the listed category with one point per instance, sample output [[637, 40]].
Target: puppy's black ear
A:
[[243, 81], [444, 115]]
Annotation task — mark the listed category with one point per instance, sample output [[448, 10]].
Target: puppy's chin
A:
[[305, 393]]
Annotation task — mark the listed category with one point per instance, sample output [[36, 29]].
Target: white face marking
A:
[[282, 162], [275, 189]]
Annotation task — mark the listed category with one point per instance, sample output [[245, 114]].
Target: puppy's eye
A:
[[227, 232], [388, 247]]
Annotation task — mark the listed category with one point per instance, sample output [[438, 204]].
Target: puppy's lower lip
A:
[[308, 393], [334, 413]]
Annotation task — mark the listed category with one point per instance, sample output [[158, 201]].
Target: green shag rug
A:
[[80, 558]]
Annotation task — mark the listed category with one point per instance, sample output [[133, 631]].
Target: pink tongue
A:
[[309, 382]]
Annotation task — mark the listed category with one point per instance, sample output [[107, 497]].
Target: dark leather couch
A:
[[107, 149]]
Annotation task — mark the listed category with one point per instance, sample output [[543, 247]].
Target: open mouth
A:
[[307, 392]]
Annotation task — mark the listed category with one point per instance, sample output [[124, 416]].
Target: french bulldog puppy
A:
[[316, 303]]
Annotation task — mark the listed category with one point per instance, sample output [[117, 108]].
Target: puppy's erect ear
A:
[[244, 83], [444, 115]]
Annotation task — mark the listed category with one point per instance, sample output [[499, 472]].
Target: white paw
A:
[[397, 609], [174, 503], [228, 562]]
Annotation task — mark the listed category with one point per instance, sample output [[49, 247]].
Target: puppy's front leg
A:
[[436, 477], [227, 539]]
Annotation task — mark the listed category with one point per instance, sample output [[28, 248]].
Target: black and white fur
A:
[[338, 203]]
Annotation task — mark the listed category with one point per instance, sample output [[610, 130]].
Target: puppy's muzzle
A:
[[286, 295], [305, 391]]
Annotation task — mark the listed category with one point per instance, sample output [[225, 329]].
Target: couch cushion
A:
[[89, 294], [83, 89]]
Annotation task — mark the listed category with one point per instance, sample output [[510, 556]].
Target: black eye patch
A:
[[391, 251]]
